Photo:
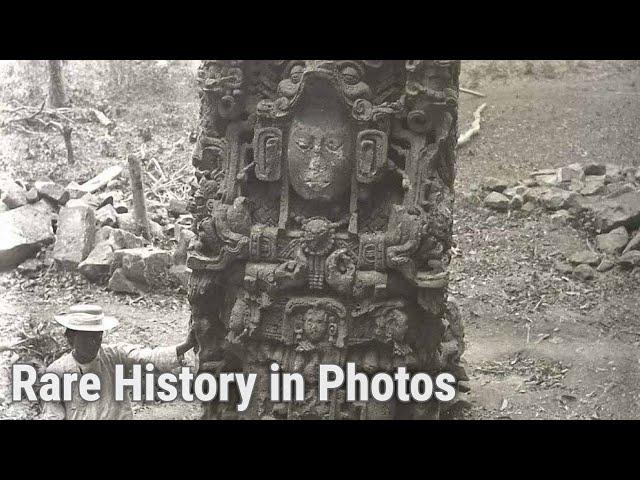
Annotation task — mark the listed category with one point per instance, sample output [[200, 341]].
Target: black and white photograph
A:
[[444, 240]]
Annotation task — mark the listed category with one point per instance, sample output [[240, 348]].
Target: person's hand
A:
[[188, 344]]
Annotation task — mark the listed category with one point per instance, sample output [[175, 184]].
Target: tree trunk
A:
[[57, 95], [139, 202], [66, 133]]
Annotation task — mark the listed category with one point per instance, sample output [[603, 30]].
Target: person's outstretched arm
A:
[[163, 358]]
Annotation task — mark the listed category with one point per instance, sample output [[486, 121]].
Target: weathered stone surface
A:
[[75, 191], [113, 197], [606, 265], [623, 210], [545, 172], [54, 192], [630, 173], [567, 174], [516, 203], [76, 202], [534, 194], [584, 272], [497, 201], [156, 230], [126, 221], [558, 199], [629, 260], [180, 274], [120, 283], [618, 189], [33, 195], [517, 190], [594, 185], [550, 180], [23, 231], [595, 169], [614, 241], [586, 257], [91, 200], [529, 207], [562, 217], [119, 239], [47, 207], [74, 236], [30, 267], [13, 195], [180, 253], [634, 244], [491, 184], [177, 207], [107, 216], [147, 265], [613, 173], [97, 265]]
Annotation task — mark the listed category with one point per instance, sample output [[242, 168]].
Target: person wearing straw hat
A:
[[85, 325]]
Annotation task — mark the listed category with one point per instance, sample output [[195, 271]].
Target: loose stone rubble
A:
[[93, 233], [602, 199]]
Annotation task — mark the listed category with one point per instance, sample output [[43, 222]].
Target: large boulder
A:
[[119, 239], [595, 169], [98, 265], [54, 192], [614, 241], [126, 221], [23, 231], [634, 244], [148, 266], [74, 236], [497, 201], [584, 272], [120, 283], [630, 260], [107, 216], [593, 185], [567, 174], [13, 195], [585, 257], [623, 210], [558, 199]]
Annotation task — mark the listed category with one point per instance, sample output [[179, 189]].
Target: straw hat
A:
[[86, 318]]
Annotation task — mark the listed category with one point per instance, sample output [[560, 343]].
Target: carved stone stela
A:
[[324, 225]]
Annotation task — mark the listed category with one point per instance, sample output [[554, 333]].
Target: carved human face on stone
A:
[[319, 151], [315, 324], [398, 325], [296, 74]]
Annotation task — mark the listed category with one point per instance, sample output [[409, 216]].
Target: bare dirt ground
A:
[[540, 345]]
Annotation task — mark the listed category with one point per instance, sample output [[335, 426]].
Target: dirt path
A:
[[539, 345]]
